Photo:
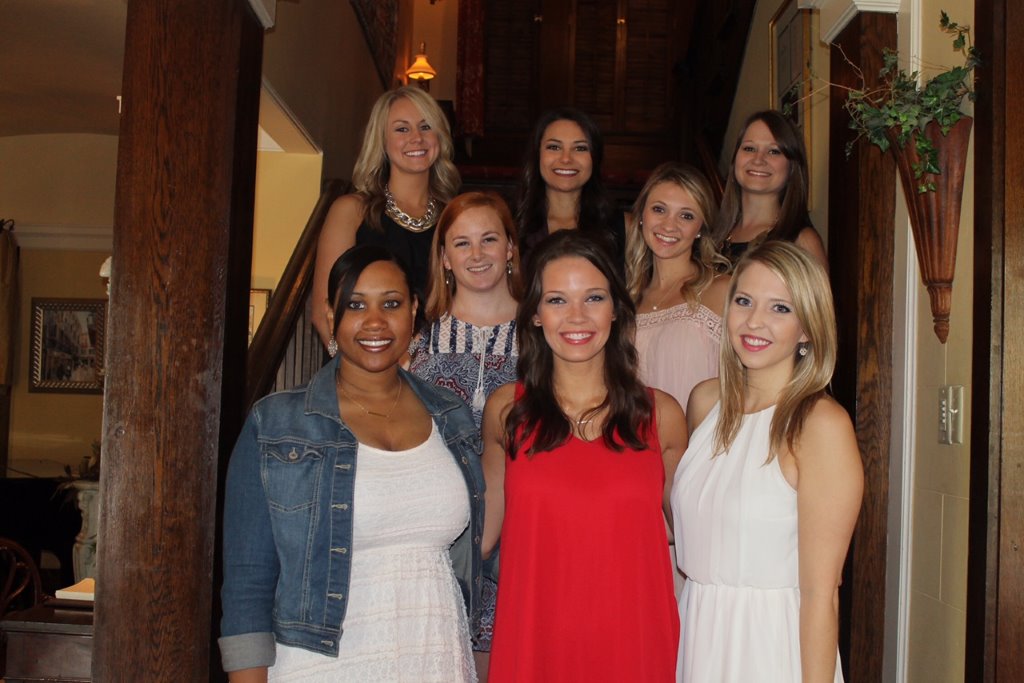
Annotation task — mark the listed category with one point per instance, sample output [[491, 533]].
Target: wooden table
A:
[[47, 643]]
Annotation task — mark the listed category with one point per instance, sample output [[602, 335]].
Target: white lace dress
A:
[[406, 621]]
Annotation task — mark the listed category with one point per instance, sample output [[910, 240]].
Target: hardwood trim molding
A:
[[834, 15], [266, 12], [66, 237]]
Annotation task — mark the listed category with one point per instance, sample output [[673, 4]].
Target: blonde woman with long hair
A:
[[403, 179], [766, 496], [672, 265]]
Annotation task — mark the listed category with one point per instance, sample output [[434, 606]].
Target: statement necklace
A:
[[405, 220], [366, 410]]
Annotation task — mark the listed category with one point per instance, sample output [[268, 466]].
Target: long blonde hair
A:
[[372, 169], [640, 260], [811, 295]]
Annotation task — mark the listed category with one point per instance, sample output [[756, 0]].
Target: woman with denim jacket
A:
[[353, 514]]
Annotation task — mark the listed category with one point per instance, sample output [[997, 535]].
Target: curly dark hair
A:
[[537, 413]]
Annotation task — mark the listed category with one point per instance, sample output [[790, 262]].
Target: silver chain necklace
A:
[[405, 220]]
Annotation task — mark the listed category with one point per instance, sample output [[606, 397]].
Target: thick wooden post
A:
[[182, 249], [995, 565], [862, 205]]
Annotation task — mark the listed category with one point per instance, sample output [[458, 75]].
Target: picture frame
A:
[[259, 300], [790, 65], [67, 344]]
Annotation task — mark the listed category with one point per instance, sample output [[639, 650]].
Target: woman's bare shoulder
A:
[[702, 400]]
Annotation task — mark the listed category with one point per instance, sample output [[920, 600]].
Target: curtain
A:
[[469, 75]]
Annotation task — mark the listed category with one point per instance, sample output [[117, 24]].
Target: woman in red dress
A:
[[579, 458]]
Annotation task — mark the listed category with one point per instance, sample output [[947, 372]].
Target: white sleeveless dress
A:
[[406, 620], [736, 542]]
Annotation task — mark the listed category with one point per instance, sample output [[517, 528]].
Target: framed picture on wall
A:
[[259, 299], [66, 349], [790, 65]]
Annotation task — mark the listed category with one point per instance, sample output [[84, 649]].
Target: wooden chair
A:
[[20, 583]]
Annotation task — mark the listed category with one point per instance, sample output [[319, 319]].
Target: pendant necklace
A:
[[675, 288], [366, 410]]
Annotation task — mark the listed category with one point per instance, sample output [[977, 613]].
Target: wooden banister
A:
[[288, 303]]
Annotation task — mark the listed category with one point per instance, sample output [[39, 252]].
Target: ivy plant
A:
[[901, 106]]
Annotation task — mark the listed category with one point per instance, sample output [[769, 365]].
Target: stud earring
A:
[[332, 347], [803, 349], [699, 235], [448, 277]]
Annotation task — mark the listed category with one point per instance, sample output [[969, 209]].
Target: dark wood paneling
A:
[[708, 75], [995, 579], [176, 338], [511, 64], [862, 196]]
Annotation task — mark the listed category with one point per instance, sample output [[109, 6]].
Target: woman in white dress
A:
[[767, 494], [672, 269], [353, 509]]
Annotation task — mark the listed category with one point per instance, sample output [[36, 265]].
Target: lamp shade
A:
[[420, 69]]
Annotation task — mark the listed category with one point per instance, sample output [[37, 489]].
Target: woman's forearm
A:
[[255, 675], [819, 637]]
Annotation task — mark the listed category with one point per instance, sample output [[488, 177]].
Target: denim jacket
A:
[[288, 519]]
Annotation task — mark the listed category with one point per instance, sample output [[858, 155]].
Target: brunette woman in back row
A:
[[766, 190], [561, 187]]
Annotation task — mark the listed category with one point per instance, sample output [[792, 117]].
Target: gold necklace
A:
[[366, 410], [675, 288]]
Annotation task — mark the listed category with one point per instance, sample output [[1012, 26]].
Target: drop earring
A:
[[804, 348], [332, 347], [508, 267], [448, 277]]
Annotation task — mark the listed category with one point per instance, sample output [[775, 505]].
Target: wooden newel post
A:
[[935, 215], [181, 260]]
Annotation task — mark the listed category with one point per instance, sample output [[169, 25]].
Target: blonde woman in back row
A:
[[403, 178]]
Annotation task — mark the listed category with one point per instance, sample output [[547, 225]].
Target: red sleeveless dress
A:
[[585, 591]]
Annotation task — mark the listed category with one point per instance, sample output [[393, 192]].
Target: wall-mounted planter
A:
[[935, 215]]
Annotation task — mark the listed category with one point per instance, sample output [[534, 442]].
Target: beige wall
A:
[[60, 182], [51, 430], [58, 179], [287, 188], [301, 59], [753, 93], [941, 473]]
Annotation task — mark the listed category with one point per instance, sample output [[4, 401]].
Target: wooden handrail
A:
[[278, 324]]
